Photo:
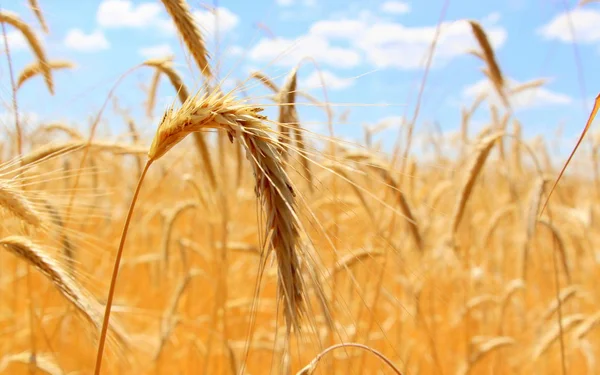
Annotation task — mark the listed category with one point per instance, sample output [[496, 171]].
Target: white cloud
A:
[[78, 40], [284, 3], [16, 40], [206, 20], [338, 29], [157, 51], [123, 13], [384, 44], [332, 82], [395, 7], [532, 98], [390, 44], [288, 52], [235, 51], [585, 23]]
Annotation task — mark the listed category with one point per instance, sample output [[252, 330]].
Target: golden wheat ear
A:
[[274, 189], [14, 20], [36, 68], [187, 28], [28, 251]]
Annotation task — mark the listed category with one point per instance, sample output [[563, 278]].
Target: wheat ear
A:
[[44, 362], [36, 68], [28, 251], [483, 150], [494, 73], [36, 46], [288, 116], [35, 7], [244, 123], [182, 17], [151, 101], [165, 66]]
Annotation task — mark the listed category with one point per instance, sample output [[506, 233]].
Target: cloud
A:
[[532, 98], [16, 41], [288, 52], [123, 13], [78, 40], [338, 29], [585, 24], [157, 51], [387, 44], [395, 7], [206, 20], [235, 51], [332, 82], [284, 3]]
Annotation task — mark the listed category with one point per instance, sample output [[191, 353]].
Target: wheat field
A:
[[247, 244]]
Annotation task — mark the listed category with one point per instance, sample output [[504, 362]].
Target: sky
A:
[[371, 54]]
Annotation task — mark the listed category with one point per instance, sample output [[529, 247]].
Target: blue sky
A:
[[371, 53]]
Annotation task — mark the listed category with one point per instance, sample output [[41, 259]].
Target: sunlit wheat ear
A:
[[35, 7], [494, 72], [529, 85], [44, 362], [170, 218], [165, 66], [288, 117], [554, 334], [81, 299], [36, 68], [152, 90], [401, 200], [244, 123], [58, 126], [13, 201], [14, 20], [55, 150], [483, 150], [483, 350], [260, 76], [187, 28]]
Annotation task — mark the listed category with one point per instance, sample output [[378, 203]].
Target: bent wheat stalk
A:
[[273, 187]]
